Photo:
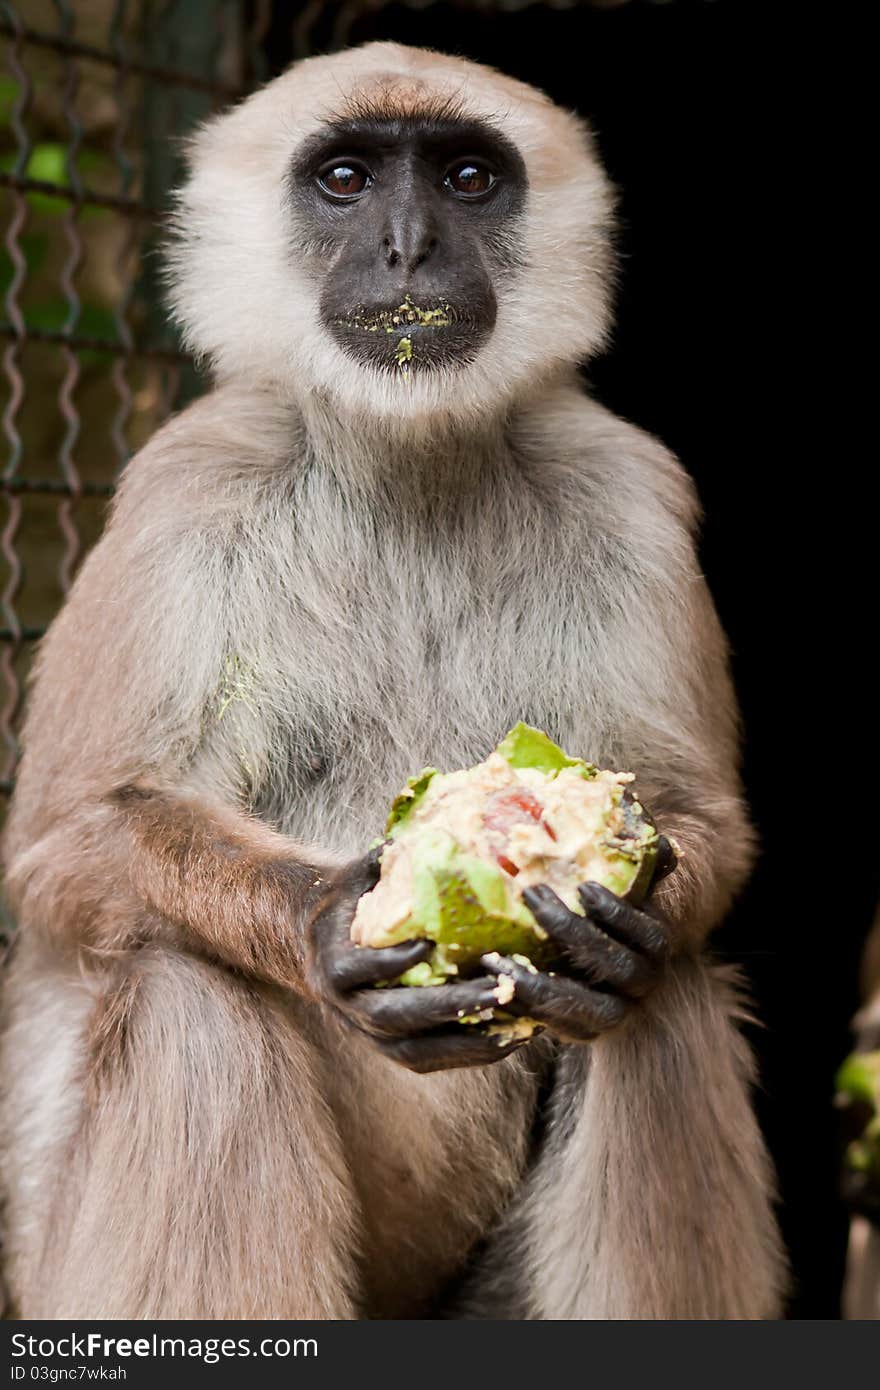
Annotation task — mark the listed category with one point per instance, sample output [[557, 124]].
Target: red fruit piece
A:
[[505, 809]]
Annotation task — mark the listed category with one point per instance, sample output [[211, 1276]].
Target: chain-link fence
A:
[[92, 96]]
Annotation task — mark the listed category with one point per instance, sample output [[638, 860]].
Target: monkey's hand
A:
[[610, 959], [861, 1193], [419, 1027]]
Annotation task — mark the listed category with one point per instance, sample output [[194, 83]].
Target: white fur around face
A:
[[247, 298]]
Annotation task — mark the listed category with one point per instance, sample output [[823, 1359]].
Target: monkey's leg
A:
[[651, 1198], [182, 1164]]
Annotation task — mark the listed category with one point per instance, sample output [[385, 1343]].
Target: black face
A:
[[416, 216]]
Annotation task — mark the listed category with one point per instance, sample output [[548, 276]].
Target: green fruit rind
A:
[[465, 906], [403, 803], [858, 1078], [639, 846], [526, 746]]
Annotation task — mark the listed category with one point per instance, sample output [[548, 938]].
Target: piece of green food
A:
[[397, 323], [858, 1083], [462, 846]]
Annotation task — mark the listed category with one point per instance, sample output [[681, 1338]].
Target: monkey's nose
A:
[[408, 243]]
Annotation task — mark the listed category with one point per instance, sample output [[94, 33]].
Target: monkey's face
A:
[[391, 233], [415, 220]]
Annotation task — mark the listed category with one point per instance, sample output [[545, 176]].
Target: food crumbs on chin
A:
[[391, 321]]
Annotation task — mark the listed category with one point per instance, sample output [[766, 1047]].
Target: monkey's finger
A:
[[638, 930], [401, 1012], [352, 967], [571, 1010], [666, 861], [448, 1048], [599, 957], [363, 874], [332, 921], [551, 913]]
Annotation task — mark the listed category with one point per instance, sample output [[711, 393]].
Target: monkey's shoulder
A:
[[203, 460], [593, 463]]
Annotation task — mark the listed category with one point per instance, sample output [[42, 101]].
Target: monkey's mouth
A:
[[402, 318], [409, 336]]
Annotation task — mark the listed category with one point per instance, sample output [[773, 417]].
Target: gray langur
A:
[[861, 1188], [397, 525]]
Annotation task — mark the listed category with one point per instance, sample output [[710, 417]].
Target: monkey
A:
[[397, 523], [861, 1190]]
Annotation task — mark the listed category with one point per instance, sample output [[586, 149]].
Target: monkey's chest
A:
[[389, 699], [379, 674]]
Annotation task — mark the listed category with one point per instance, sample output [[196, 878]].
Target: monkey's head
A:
[[395, 233]]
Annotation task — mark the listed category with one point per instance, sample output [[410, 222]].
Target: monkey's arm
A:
[[678, 731], [126, 820], [170, 863]]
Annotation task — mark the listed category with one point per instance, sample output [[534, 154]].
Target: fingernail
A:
[[418, 950], [538, 894]]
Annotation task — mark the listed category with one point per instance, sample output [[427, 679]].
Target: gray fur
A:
[[291, 610]]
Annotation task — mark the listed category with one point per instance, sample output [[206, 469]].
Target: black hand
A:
[[417, 1026], [665, 862], [609, 959]]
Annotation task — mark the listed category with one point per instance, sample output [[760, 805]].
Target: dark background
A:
[[716, 121]]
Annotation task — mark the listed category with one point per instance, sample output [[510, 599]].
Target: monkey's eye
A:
[[469, 178], [344, 180]]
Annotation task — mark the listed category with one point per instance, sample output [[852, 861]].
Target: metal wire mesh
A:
[[92, 98]]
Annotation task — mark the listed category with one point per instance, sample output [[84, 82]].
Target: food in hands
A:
[[462, 846]]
